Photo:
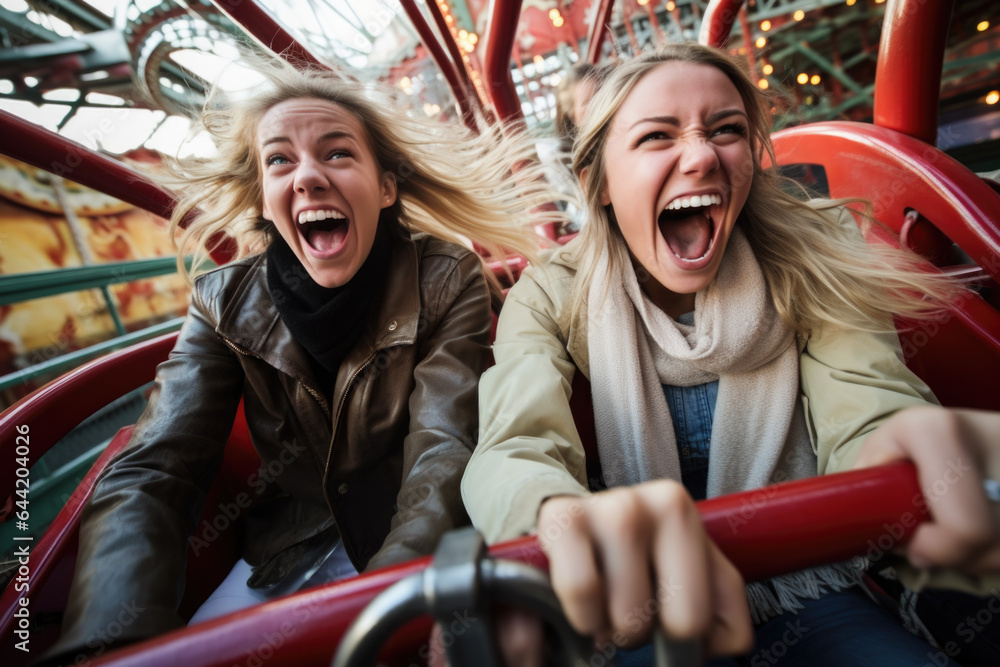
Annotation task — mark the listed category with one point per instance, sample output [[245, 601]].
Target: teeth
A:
[[315, 216], [694, 202]]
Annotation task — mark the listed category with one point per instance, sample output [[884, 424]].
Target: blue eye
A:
[[276, 159], [338, 154]]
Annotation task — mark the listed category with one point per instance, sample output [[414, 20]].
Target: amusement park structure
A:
[[883, 62]]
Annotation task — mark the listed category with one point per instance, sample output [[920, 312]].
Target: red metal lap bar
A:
[[764, 532]]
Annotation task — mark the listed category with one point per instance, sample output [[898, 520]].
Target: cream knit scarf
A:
[[758, 435]]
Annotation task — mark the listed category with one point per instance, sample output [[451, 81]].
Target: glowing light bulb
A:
[[983, 25], [802, 78], [799, 15], [671, 5], [993, 97], [765, 26], [761, 42], [815, 80], [768, 68], [850, 3], [763, 84]]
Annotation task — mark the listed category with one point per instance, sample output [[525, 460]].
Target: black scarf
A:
[[327, 322]]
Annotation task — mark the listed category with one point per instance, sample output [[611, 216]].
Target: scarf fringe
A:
[[785, 593]]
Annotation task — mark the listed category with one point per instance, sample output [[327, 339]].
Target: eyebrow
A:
[[336, 134], [672, 120]]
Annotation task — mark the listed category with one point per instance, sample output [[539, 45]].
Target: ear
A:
[[264, 213], [388, 189], [605, 194]]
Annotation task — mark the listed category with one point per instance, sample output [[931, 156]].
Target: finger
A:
[[520, 637], [961, 527], [573, 567], [681, 562], [731, 632], [622, 525]]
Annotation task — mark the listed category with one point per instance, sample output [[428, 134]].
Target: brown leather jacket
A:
[[383, 460]]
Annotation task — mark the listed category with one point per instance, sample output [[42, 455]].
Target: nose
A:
[[699, 157], [309, 176]]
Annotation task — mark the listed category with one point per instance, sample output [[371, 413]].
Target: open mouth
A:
[[323, 231], [688, 225]]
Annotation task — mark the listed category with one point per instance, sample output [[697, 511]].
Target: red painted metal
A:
[[259, 24], [908, 73], [599, 29], [33, 144], [764, 532], [957, 355], [448, 69], [500, 31], [718, 22], [53, 410], [456, 54]]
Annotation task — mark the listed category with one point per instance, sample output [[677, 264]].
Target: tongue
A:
[[323, 238], [689, 236]]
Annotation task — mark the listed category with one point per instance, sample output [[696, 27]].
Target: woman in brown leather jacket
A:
[[354, 328]]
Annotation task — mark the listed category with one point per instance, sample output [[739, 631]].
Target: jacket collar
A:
[[251, 319]]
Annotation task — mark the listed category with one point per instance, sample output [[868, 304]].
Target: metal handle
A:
[[461, 584]]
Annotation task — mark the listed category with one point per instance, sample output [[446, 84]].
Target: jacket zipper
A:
[[329, 452], [312, 392]]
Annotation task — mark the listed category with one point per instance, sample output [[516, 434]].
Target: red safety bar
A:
[[764, 532]]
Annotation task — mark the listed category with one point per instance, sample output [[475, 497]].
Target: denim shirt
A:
[[691, 411]]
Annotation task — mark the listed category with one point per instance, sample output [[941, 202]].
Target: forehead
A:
[[308, 114], [680, 89]]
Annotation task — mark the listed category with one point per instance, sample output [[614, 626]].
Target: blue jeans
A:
[[838, 630]]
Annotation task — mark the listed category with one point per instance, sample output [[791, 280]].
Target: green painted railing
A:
[[73, 359], [22, 287], [27, 286]]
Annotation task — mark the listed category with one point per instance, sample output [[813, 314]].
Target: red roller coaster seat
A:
[[957, 355]]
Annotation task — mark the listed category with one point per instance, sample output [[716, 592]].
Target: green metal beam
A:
[[82, 14], [27, 286], [74, 359], [828, 67]]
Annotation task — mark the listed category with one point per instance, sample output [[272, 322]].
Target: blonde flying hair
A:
[[819, 271], [451, 182]]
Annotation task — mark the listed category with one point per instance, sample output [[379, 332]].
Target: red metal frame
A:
[[270, 34], [454, 51], [718, 21], [599, 30], [54, 410], [444, 63], [500, 33], [34, 145], [908, 73]]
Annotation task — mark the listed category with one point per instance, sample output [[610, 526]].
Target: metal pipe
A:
[[599, 29], [501, 29], [908, 73], [453, 50], [441, 59], [718, 22], [263, 27]]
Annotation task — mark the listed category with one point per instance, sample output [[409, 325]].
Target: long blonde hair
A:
[[451, 182], [819, 271]]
